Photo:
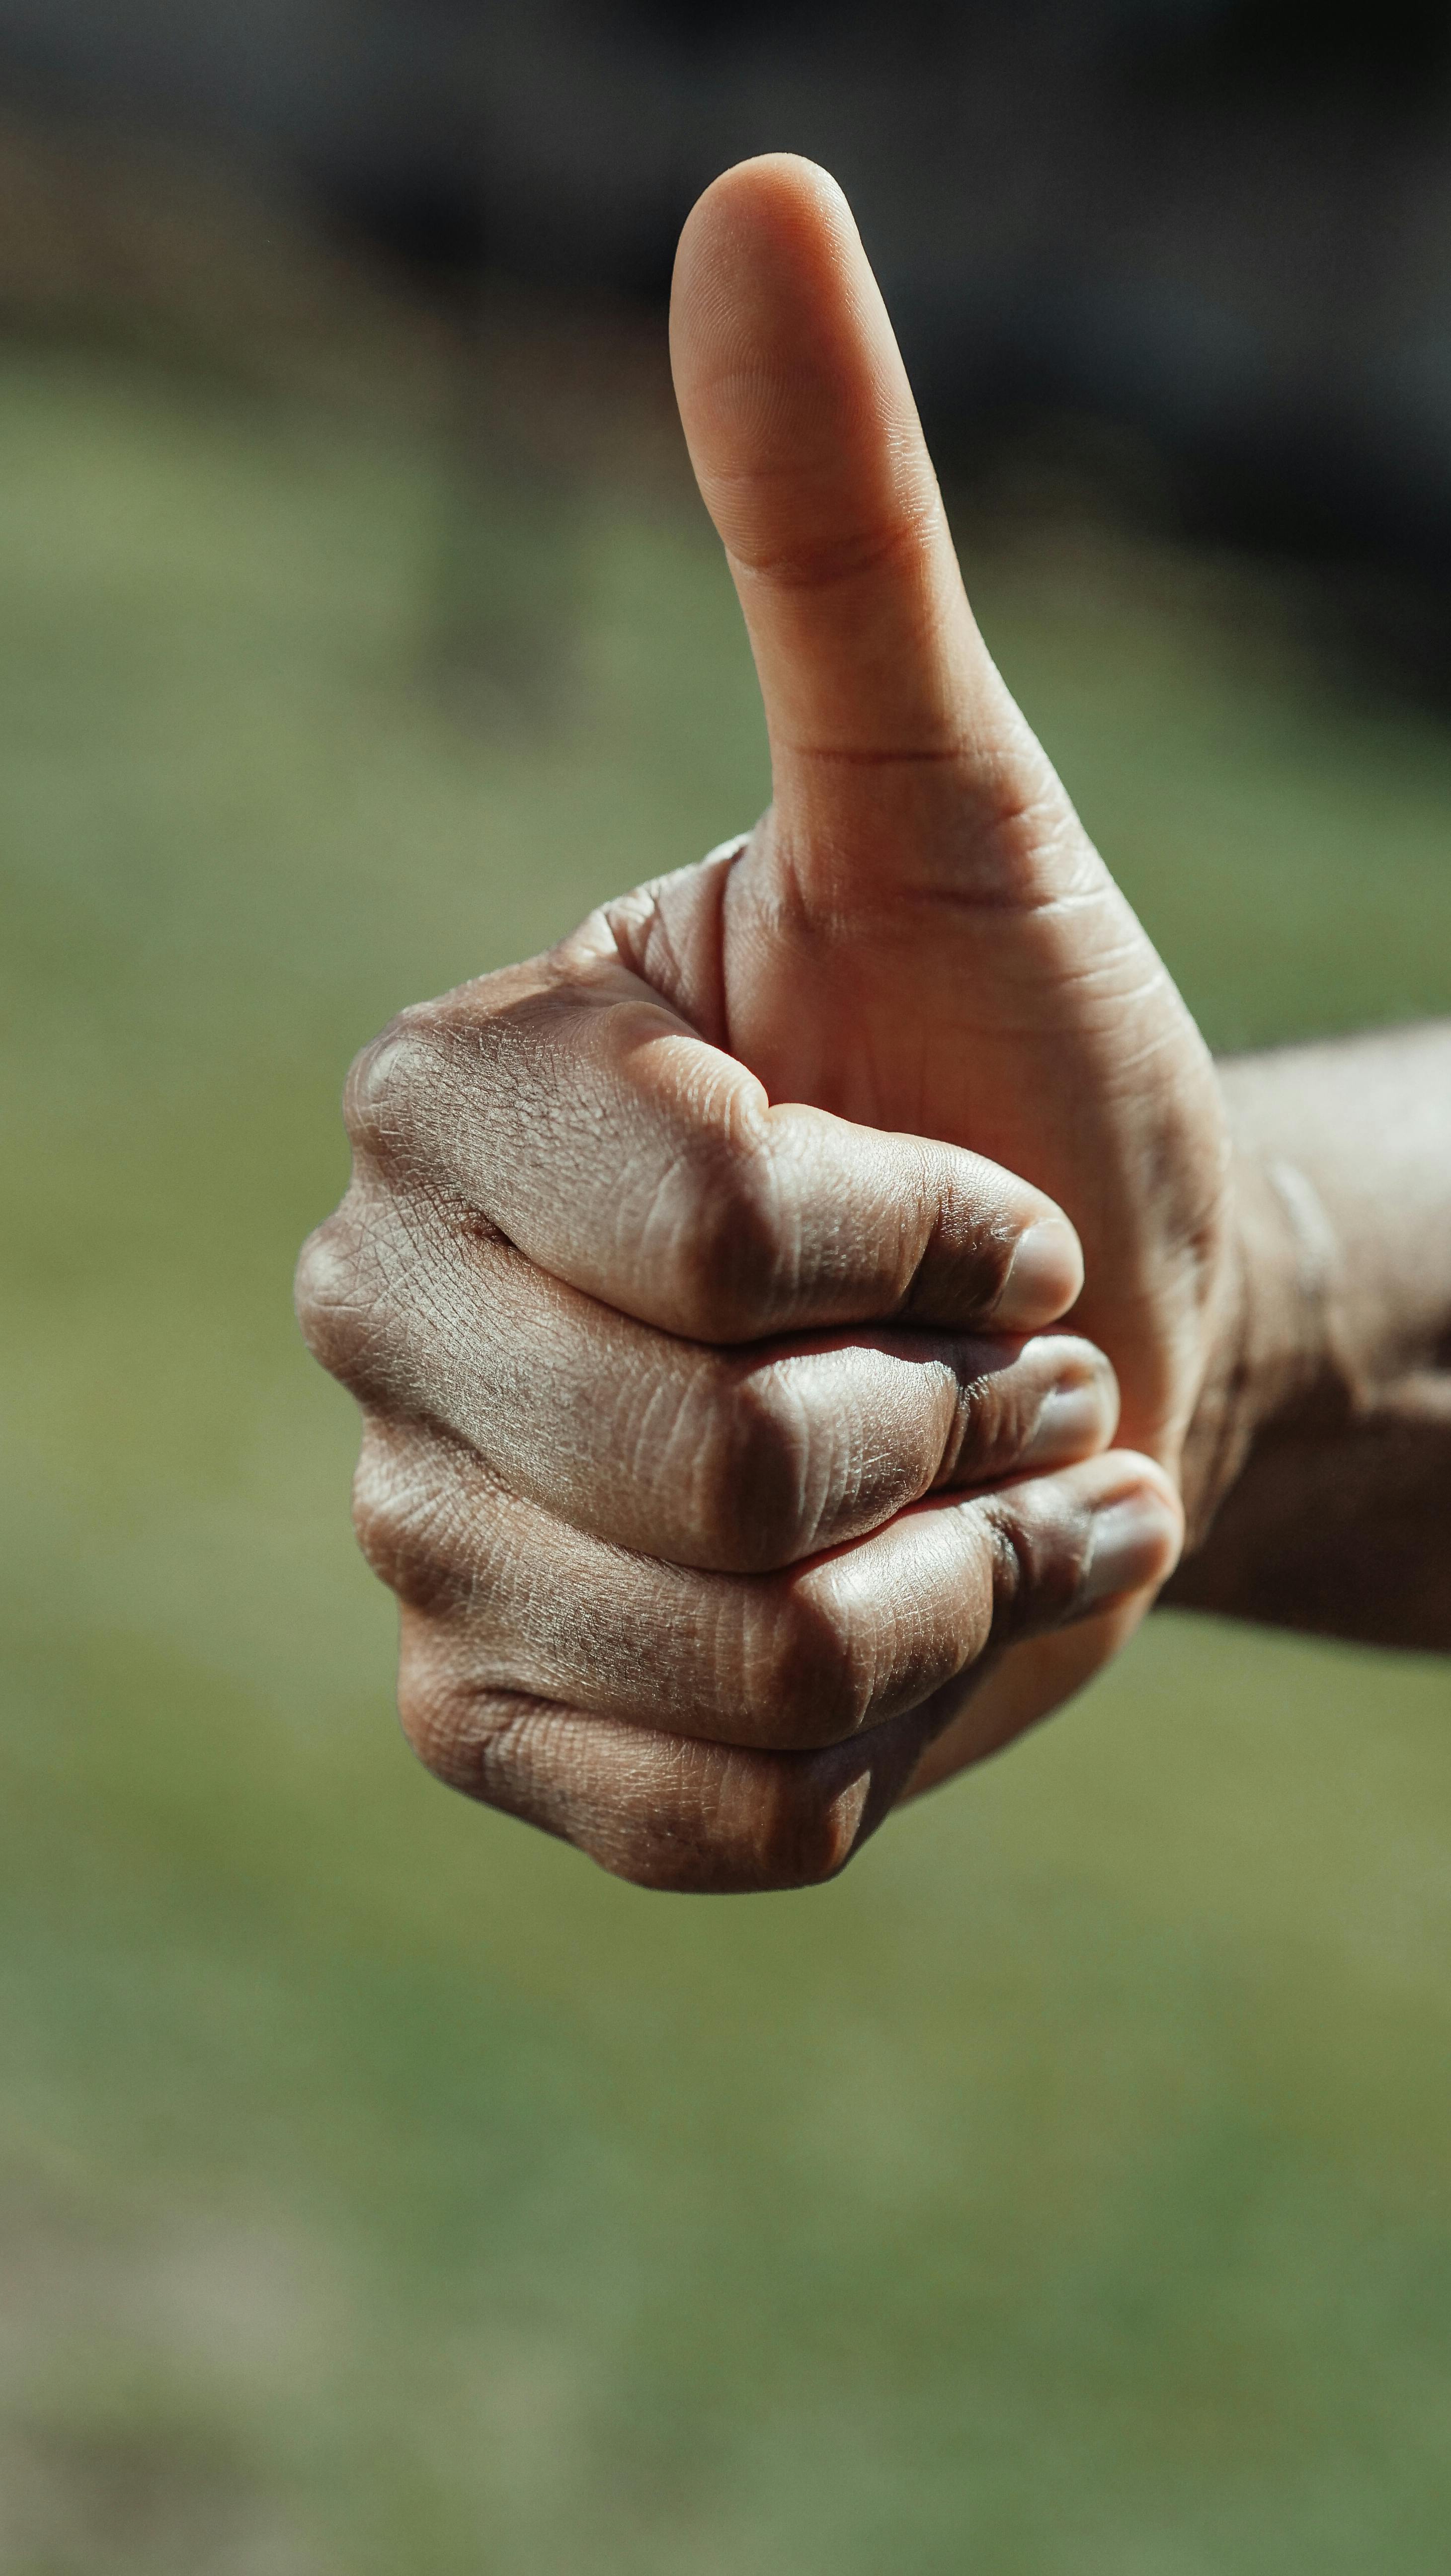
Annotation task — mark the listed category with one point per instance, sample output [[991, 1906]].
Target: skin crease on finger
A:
[[574, 1113], [804, 1657], [737, 1459], [666, 1811]]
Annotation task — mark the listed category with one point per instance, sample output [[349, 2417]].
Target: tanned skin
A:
[[797, 1318]]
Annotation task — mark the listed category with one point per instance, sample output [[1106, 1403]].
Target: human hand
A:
[[919, 939], [671, 1399], [919, 934]]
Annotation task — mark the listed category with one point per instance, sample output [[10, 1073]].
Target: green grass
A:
[[1064, 2192]]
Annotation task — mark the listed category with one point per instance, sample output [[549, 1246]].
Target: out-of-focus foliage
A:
[[1063, 2193]]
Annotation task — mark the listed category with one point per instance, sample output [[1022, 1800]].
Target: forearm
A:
[[1332, 1409]]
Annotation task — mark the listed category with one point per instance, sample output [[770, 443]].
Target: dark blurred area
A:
[[1209, 241]]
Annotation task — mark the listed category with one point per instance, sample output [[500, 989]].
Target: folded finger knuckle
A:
[[412, 1527], [995, 1413], [364, 1284], [438, 1712], [757, 1473], [755, 1823], [326, 1289], [1040, 1549], [725, 1237], [811, 1672], [806, 1822], [392, 1083]]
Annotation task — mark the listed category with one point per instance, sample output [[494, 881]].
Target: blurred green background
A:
[[1062, 2193]]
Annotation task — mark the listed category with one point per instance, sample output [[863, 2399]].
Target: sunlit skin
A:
[[699, 1280]]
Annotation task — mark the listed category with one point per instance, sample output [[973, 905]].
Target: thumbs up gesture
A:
[[703, 1282]]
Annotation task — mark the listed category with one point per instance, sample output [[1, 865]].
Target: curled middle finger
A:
[[740, 1458], [792, 1660]]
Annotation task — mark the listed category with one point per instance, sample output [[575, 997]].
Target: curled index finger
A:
[[583, 1119]]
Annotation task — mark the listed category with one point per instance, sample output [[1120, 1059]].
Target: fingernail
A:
[[1135, 1541], [1044, 1276], [1074, 1419]]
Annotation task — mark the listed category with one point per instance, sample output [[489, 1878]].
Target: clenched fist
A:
[[673, 1400], [696, 1279]]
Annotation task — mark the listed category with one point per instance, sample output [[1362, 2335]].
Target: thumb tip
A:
[[767, 185], [776, 206]]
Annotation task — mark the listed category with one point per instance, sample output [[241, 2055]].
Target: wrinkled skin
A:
[[709, 1437]]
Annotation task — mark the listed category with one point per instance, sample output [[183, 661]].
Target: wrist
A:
[[1274, 1347]]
